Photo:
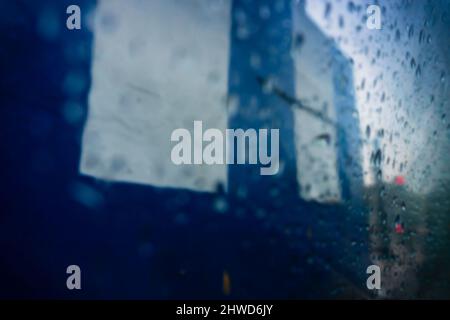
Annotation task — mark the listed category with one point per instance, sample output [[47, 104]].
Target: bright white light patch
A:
[[158, 65]]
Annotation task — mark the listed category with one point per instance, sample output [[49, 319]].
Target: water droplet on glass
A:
[[410, 31], [418, 71], [397, 35], [220, 205]]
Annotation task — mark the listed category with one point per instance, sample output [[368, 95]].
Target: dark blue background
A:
[[135, 243]]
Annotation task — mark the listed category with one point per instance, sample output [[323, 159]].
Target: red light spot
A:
[[399, 180], [399, 228]]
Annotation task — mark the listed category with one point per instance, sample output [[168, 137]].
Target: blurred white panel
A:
[[158, 65], [315, 139]]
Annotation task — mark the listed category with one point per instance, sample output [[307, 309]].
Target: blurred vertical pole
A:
[[261, 35]]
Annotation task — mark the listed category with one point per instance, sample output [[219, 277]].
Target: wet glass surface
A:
[[356, 173]]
